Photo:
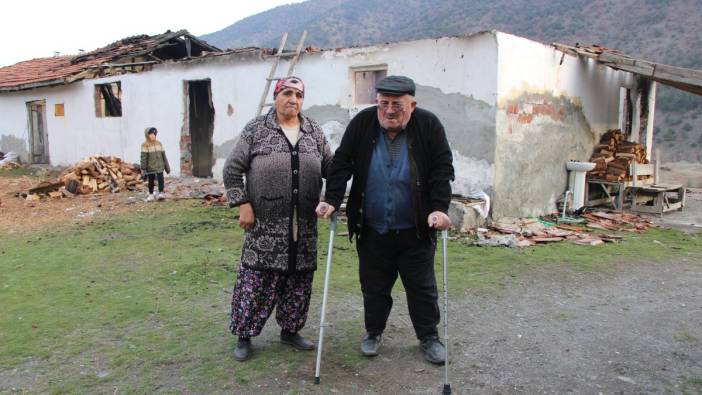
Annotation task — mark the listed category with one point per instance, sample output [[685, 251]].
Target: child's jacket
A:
[[153, 156]]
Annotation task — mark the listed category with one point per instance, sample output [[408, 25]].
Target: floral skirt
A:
[[256, 293]]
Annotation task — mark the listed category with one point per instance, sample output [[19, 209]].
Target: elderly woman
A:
[[274, 175]]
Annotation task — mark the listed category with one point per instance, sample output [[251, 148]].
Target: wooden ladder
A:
[[271, 76]]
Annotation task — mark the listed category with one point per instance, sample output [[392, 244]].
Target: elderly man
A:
[[274, 175], [402, 167]]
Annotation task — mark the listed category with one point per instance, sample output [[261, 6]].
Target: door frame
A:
[[39, 106], [187, 143]]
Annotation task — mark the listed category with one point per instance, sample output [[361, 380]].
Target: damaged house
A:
[[515, 110]]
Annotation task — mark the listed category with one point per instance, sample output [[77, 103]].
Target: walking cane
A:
[[444, 239], [322, 324]]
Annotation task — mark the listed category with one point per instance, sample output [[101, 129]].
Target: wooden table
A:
[[612, 192], [657, 198], [647, 198]]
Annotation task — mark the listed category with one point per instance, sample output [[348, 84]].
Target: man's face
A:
[[288, 102], [152, 137], [394, 112]]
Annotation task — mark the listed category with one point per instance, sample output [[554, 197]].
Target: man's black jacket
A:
[[431, 167]]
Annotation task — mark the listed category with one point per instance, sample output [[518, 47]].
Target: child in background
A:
[[153, 163]]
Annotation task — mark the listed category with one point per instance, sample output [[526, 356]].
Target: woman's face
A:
[[152, 137], [288, 102]]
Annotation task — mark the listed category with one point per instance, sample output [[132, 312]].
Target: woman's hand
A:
[[246, 216]]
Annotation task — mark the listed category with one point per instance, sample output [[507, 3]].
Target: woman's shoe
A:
[[242, 352]]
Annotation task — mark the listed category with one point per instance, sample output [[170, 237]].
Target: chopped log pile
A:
[[613, 157], [101, 174], [595, 230], [95, 174]]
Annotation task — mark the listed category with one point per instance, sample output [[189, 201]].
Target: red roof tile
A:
[[65, 69]]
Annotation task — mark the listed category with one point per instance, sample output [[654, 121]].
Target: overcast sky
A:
[[35, 29]]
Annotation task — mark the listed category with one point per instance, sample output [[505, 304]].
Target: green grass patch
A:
[[692, 386], [684, 337], [18, 172], [140, 301]]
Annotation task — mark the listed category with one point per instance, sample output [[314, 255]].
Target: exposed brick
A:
[[186, 158], [525, 118]]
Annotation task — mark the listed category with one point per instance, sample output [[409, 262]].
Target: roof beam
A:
[[689, 80]]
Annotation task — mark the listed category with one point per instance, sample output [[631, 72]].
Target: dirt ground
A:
[[18, 215], [690, 218], [635, 330], [688, 174]]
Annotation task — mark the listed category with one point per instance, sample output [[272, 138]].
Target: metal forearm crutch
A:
[[444, 239], [327, 271]]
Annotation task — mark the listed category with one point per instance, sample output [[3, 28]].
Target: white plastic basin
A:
[[579, 166]]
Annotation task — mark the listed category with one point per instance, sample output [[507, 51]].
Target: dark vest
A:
[[388, 203]]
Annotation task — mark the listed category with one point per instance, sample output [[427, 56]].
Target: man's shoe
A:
[[433, 350], [370, 344], [161, 196], [295, 340], [150, 197], [242, 352]]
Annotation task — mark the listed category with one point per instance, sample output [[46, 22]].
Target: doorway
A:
[[38, 135], [201, 127]]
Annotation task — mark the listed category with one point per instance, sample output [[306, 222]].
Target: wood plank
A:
[[46, 187]]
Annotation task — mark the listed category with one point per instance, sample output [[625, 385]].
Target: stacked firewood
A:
[[614, 155], [101, 174]]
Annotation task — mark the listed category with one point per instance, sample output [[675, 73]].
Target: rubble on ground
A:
[[208, 189], [594, 228], [469, 212], [9, 160]]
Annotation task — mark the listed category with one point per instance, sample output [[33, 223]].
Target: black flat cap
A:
[[396, 85]]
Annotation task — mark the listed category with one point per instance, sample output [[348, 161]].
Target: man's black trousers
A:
[[381, 258]]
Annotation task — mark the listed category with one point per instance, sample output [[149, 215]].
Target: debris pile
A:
[[613, 157], [9, 160], [594, 230], [95, 174], [210, 190]]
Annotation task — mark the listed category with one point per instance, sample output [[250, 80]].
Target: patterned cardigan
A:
[[277, 178]]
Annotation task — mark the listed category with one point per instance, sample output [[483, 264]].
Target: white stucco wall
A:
[[454, 75], [456, 79], [551, 108], [14, 134], [487, 89], [464, 65]]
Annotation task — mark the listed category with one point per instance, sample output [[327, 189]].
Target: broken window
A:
[[364, 83], [108, 100]]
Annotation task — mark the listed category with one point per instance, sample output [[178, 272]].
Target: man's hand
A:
[[439, 221], [324, 210], [246, 216]]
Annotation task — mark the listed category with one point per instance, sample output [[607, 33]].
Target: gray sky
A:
[[35, 29]]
